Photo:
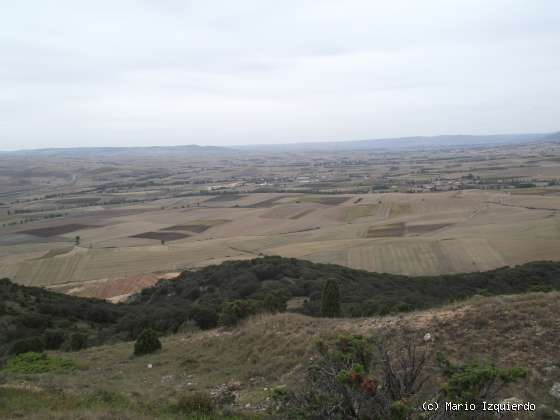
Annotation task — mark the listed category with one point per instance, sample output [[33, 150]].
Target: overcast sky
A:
[[161, 72]]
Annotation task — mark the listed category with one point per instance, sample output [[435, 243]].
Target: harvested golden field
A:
[[413, 234]]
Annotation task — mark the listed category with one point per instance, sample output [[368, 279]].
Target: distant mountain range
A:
[[139, 151], [416, 142], [399, 143]]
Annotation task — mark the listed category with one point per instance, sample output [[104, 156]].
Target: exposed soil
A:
[[420, 229], [162, 236], [56, 230], [190, 228], [118, 289], [394, 229], [225, 197], [303, 213]]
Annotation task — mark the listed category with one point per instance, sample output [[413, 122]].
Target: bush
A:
[[35, 321], [476, 382], [147, 342], [204, 316], [25, 345], [275, 303], [330, 299], [360, 378], [77, 341], [235, 311], [54, 339], [199, 402], [37, 363]]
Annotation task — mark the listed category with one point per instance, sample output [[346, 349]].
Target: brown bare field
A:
[[427, 228], [224, 198], [56, 230], [190, 228], [392, 229], [302, 214], [117, 289], [197, 227], [162, 236], [265, 203], [325, 200]]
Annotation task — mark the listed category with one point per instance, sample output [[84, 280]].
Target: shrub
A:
[[275, 303], [330, 299], [476, 382], [204, 316], [77, 341], [199, 402], [54, 339], [100, 315], [35, 321], [342, 381], [37, 363], [147, 342], [358, 378], [235, 311], [25, 345]]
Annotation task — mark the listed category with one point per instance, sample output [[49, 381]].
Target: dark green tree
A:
[[77, 341], [275, 302], [330, 299], [53, 339], [147, 342], [204, 317], [234, 311], [25, 345]]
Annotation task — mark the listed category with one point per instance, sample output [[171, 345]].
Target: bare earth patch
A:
[[190, 228], [303, 213], [118, 289], [225, 198], [56, 230], [391, 230], [420, 229], [162, 236], [198, 226]]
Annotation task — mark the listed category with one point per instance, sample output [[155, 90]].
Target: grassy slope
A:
[[269, 350]]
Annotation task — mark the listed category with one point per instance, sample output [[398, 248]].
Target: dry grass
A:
[[271, 350], [357, 212]]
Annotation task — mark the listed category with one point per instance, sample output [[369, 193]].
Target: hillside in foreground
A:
[[244, 337], [269, 351]]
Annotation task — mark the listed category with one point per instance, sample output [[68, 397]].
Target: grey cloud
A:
[[223, 72]]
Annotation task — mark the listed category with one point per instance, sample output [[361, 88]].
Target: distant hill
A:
[[398, 143], [134, 152], [415, 142]]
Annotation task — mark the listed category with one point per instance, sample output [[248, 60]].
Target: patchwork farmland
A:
[[73, 222]]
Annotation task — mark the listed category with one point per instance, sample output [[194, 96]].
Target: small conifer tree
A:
[[330, 299]]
